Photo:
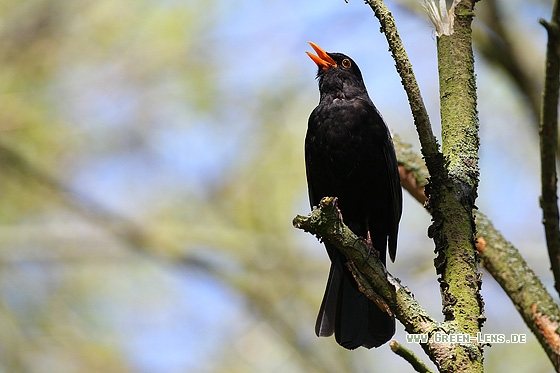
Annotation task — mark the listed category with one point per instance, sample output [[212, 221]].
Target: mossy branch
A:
[[452, 198], [325, 222], [521, 284]]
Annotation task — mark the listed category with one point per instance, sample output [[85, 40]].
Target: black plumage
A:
[[349, 154]]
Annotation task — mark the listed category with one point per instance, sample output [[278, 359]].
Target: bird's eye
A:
[[346, 63]]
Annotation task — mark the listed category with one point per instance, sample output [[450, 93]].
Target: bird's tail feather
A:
[[355, 319], [324, 327]]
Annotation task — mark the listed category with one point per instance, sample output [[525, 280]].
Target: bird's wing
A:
[[392, 172], [396, 194], [314, 188], [309, 162]]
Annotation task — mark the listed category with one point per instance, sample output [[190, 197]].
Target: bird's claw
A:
[[370, 247]]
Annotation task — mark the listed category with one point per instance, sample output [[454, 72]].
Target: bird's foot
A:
[[335, 202], [370, 248]]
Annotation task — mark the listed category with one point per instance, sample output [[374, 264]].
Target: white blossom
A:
[[441, 17]]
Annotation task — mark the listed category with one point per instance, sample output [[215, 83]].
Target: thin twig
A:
[[548, 135], [409, 356], [430, 147]]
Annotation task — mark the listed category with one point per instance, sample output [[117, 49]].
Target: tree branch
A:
[[548, 134], [409, 356], [412, 170], [521, 284], [373, 279], [452, 194]]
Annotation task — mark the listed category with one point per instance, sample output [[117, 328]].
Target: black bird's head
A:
[[338, 74]]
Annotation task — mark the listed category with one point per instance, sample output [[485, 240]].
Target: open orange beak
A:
[[322, 59]]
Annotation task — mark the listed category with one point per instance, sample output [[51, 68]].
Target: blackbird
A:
[[349, 154]]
